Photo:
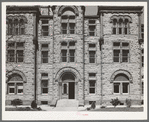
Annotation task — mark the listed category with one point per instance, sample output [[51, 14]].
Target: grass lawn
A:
[[122, 109], [20, 109]]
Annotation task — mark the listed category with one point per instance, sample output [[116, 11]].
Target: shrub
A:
[[34, 104], [115, 102], [16, 102], [128, 103]]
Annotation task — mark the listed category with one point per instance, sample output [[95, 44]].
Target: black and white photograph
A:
[[74, 60]]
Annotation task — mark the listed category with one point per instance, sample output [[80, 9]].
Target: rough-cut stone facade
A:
[[104, 67]]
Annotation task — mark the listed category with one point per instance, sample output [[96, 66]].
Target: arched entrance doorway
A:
[[68, 86]]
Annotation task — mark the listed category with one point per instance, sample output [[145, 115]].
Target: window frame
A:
[[46, 49], [44, 78], [121, 49], [44, 25], [92, 24], [68, 20], [92, 78], [68, 48], [15, 87], [123, 26], [121, 87], [92, 49], [15, 49]]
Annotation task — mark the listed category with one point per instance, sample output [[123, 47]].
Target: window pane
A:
[[116, 44], [44, 83], [64, 26], [16, 31], [45, 21], [125, 54], [44, 90], [20, 87], [20, 55], [11, 90], [92, 28], [92, 90], [120, 30], [91, 21], [20, 44], [91, 33], [92, 74], [92, 56], [22, 31], [63, 44], [92, 45], [116, 52], [44, 75], [116, 87], [71, 17], [72, 54], [72, 26], [92, 83], [11, 45], [64, 55], [125, 30], [11, 55], [64, 17], [44, 56], [44, 46], [44, 28], [125, 44], [125, 87], [72, 44], [114, 30]]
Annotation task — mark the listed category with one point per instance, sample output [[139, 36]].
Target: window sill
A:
[[92, 94], [45, 94]]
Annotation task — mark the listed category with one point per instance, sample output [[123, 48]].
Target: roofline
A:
[[120, 7], [22, 9]]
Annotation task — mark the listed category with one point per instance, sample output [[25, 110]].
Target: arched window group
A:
[[121, 84], [15, 84], [121, 24], [16, 25]]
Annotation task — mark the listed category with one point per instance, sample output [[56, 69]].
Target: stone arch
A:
[[16, 72], [123, 17], [65, 8], [64, 70], [16, 17], [121, 71]]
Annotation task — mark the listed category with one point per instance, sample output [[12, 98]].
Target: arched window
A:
[[121, 84], [68, 22], [126, 26], [16, 27], [10, 26], [114, 26], [120, 26], [22, 27], [15, 84]]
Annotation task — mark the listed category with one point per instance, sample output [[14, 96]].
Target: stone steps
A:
[[67, 103]]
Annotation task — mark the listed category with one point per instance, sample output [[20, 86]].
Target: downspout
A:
[[35, 43], [83, 9], [140, 42], [101, 40]]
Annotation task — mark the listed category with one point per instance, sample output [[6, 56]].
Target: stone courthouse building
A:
[[59, 52]]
